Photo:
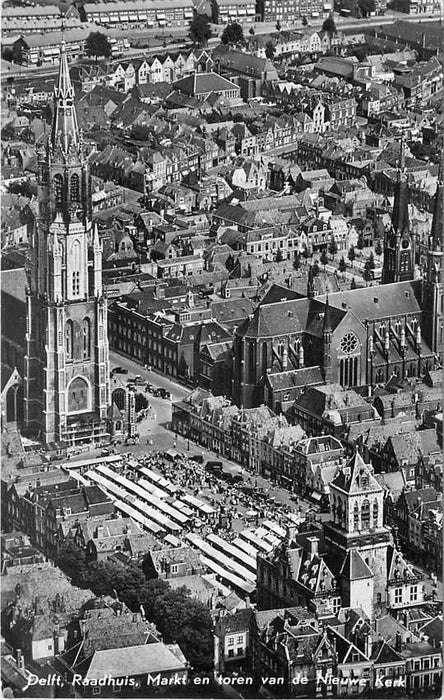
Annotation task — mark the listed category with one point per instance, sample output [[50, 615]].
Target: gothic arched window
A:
[[78, 395], [375, 513], [356, 517], [69, 340], [86, 338], [365, 515], [75, 188], [264, 357], [75, 267], [119, 398], [58, 189]]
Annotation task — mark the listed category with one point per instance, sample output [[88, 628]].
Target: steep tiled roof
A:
[[354, 567], [237, 622], [356, 477], [136, 660], [375, 303]]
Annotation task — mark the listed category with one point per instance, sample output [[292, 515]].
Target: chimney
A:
[[313, 546], [56, 642], [368, 643], [398, 642]]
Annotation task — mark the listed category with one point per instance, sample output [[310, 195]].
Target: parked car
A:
[[120, 370], [164, 393], [198, 458], [138, 380]]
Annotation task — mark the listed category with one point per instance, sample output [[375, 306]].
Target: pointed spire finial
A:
[[402, 154], [65, 130]]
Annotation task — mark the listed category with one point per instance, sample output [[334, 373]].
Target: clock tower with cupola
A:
[[356, 534], [67, 391]]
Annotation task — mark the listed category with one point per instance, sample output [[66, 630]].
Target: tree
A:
[[351, 255], [187, 622], [233, 34], [371, 261], [324, 258], [333, 247], [7, 54], [141, 402], [296, 261], [8, 133], [229, 263], [329, 26], [251, 31], [150, 592], [353, 283], [366, 7], [360, 243], [24, 188], [72, 561], [315, 269], [367, 273], [279, 256], [305, 253], [200, 30], [97, 44], [270, 49], [378, 247], [304, 21], [140, 132], [278, 26], [400, 6], [342, 265]]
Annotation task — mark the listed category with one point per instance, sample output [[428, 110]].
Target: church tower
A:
[[432, 292], [356, 537], [399, 252], [66, 363]]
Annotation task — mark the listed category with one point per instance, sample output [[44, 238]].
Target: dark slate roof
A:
[[349, 479], [307, 376], [237, 622], [278, 293], [275, 319], [204, 82], [354, 567], [374, 303], [382, 653], [231, 310], [415, 498], [14, 284]]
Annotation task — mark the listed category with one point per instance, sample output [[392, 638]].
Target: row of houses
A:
[[44, 49]]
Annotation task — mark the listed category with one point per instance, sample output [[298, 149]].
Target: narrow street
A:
[[157, 430]]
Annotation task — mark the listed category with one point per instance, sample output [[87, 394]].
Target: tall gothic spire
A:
[[65, 130], [437, 230], [400, 215]]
